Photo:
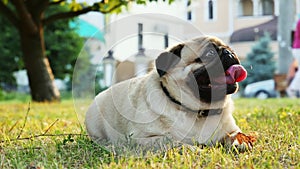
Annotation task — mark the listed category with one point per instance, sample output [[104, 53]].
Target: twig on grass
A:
[[26, 116], [13, 126], [43, 135], [46, 131]]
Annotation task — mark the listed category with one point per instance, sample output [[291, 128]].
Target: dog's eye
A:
[[210, 53], [207, 56]]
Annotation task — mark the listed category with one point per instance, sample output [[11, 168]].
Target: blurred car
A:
[[262, 89]]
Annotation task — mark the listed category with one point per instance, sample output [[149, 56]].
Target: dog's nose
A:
[[226, 52]]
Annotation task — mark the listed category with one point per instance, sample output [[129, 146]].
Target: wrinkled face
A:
[[210, 81], [213, 68]]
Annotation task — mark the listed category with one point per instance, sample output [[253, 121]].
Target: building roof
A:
[[87, 30], [254, 32]]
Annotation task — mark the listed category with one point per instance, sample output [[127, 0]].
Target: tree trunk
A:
[[40, 76]]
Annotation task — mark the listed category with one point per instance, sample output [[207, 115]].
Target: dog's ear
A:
[[168, 60]]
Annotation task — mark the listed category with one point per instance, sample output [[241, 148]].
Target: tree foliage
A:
[[29, 20], [10, 53], [63, 45], [260, 62]]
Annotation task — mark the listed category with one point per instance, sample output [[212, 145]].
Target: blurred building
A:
[[237, 22]]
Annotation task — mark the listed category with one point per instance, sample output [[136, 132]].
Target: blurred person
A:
[[292, 71], [293, 89]]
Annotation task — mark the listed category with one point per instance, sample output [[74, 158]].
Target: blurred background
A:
[[44, 41]]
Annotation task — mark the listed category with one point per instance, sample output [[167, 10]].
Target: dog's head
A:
[[205, 67]]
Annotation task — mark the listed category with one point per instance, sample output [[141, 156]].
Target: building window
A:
[[189, 15], [267, 7], [246, 8], [140, 36], [210, 10], [189, 12]]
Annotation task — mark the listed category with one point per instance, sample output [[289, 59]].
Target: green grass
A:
[[53, 137]]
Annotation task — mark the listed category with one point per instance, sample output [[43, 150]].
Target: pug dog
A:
[[187, 97]]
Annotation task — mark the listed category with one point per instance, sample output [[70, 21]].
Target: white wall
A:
[[158, 18]]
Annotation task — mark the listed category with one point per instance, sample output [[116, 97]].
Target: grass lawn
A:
[[51, 136]]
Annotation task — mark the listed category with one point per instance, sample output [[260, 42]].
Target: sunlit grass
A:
[[53, 137]]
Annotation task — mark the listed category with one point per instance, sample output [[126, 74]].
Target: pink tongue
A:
[[235, 73]]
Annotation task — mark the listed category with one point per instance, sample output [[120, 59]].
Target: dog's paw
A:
[[242, 142]]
